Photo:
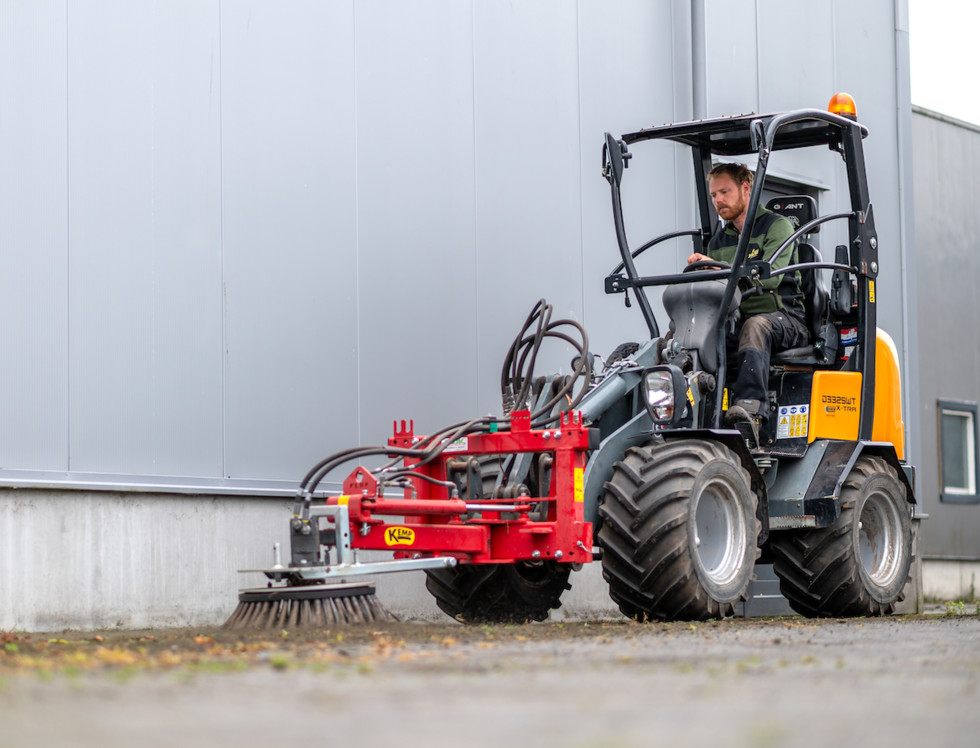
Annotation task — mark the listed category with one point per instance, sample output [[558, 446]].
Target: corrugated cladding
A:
[[235, 237], [947, 265]]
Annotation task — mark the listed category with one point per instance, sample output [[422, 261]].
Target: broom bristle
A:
[[307, 606]]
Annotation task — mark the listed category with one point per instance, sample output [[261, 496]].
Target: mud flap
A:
[[805, 492]]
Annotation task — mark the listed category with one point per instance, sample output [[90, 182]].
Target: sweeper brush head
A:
[[307, 606]]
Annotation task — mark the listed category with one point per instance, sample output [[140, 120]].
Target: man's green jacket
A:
[[768, 232]]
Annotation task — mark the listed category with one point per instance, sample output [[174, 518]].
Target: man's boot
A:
[[744, 415]]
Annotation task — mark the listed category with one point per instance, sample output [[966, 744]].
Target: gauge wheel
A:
[[499, 593]]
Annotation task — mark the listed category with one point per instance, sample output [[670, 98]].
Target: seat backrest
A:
[[799, 209], [824, 338], [844, 293], [815, 293]]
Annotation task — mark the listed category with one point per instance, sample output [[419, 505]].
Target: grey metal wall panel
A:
[[289, 235], [144, 238], [947, 165], [528, 177], [632, 74], [866, 65], [906, 203], [733, 64], [33, 237], [415, 178], [290, 224], [796, 55], [797, 71]]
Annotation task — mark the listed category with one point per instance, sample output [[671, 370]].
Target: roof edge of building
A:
[[932, 114]]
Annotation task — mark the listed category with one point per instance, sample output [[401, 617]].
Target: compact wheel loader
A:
[[631, 465]]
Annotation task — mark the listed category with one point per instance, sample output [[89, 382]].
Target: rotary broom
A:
[[316, 605]]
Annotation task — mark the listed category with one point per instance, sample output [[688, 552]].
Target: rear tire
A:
[[622, 351], [859, 565], [499, 593], [679, 531]]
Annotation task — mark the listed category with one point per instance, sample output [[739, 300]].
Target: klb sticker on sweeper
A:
[[793, 421], [460, 445]]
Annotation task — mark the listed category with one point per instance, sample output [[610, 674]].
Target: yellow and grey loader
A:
[[631, 465], [823, 492]]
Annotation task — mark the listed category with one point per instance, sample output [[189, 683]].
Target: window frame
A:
[[958, 407]]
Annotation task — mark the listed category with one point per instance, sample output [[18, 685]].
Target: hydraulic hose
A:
[[517, 373], [517, 376], [441, 439]]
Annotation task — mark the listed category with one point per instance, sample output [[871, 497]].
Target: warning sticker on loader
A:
[[794, 421]]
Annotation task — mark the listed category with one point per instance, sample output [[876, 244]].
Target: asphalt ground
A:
[[899, 681]]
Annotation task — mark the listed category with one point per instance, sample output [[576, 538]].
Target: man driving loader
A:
[[772, 314]]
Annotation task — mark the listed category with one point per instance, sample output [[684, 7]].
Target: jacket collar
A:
[[760, 211]]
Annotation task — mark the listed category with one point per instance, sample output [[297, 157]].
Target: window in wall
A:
[[958, 452]]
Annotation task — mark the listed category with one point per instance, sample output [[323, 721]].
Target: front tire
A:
[[679, 531], [859, 565]]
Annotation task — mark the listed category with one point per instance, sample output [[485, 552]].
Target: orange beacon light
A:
[[843, 104]]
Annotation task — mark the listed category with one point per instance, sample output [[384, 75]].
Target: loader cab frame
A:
[[760, 136]]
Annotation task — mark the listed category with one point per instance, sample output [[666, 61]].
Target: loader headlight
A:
[[664, 391]]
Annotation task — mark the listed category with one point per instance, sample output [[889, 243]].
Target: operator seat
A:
[[822, 349]]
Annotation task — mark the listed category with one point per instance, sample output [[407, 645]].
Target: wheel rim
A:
[[719, 527], [880, 539]]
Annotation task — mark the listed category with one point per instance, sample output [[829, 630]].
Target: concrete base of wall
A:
[[950, 580], [92, 560], [86, 560]]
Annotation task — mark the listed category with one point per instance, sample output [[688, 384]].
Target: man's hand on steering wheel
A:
[[698, 261]]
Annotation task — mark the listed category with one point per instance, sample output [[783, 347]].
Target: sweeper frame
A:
[[490, 492], [439, 526]]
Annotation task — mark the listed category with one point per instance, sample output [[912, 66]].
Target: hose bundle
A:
[[517, 376]]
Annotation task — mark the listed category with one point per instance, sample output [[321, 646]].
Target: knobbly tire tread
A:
[[819, 570], [623, 350], [647, 556], [499, 593]]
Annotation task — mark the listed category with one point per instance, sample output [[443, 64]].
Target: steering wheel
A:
[[707, 264]]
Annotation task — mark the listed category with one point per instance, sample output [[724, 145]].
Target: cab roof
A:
[[732, 136]]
